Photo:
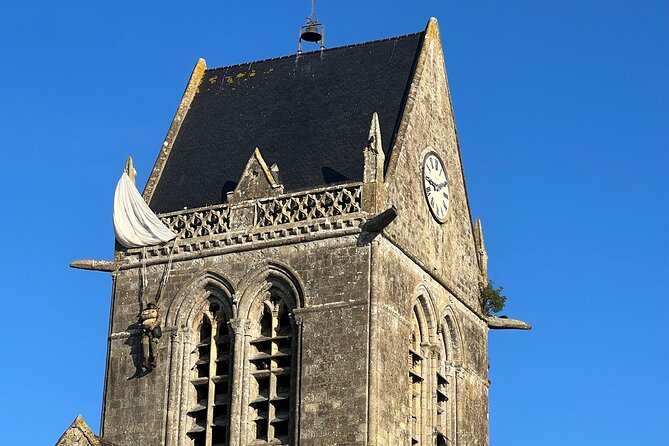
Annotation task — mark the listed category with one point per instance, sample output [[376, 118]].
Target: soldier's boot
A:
[[154, 361], [146, 363]]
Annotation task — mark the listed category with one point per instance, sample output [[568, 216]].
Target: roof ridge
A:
[[316, 51]]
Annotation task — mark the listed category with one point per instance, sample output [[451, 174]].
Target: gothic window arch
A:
[[271, 367], [199, 315], [211, 376], [446, 380], [418, 366]]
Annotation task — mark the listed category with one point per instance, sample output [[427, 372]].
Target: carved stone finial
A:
[[374, 157], [481, 251], [375, 130], [130, 169], [275, 172], [374, 163]]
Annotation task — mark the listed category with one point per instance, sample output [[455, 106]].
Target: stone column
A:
[[182, 384], [297, 361], [427, 369], [175, 371], [458, 374], [433, 358], [239, 328]]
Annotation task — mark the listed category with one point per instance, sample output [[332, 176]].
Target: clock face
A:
[[435, 185]]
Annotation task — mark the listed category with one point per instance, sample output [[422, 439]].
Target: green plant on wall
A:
[[492, 299]]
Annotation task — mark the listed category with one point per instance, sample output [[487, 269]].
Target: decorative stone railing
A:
[[198, 222], [325, 203], [294, 208]]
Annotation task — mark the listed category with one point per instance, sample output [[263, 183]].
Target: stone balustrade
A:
[[324, 203]]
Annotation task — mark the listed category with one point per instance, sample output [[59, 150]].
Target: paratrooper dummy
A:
[[151, 332]]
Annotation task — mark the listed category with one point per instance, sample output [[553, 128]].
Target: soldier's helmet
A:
[[151, 305]]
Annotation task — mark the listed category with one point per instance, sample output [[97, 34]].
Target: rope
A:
[[166, 272], [145, 281]]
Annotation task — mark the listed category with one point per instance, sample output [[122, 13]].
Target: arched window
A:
[[446, 382], [234, 358], [416, 376], [271, 366], [211, 378], [442, 390]]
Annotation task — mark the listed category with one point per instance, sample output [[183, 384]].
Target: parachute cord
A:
[[166, 272], [145, 280]]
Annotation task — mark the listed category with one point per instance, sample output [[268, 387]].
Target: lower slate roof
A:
[[309, 114]]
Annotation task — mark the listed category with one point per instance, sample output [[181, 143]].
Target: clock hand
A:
[[440, 186]]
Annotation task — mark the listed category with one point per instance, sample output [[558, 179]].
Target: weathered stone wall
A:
[[419, 257], [334, 376], [335, 366], [397, 283], [133, 410], [334, 274]]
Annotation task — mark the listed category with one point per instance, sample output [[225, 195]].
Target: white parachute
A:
[[135, 224]]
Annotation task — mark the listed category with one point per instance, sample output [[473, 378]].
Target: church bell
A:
[[311, 33]]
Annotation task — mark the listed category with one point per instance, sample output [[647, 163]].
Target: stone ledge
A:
[[227, 243]]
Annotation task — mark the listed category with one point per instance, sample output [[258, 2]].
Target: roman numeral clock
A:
[[435, 186]]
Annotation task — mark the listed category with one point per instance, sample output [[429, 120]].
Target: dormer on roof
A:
[[257, 181]]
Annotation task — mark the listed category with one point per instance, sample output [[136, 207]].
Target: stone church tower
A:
[[323, 288]]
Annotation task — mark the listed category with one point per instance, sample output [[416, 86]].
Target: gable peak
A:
[[256, 181], [79, 432], [432, 27]]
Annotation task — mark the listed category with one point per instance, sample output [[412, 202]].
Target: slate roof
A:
[[310, 114]]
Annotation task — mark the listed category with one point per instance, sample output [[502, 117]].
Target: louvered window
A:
[[446, 383], [416, 380], [210, 377], [442, 408], [271, 366]]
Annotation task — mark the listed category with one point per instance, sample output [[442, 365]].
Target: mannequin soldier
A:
[[151, 332]]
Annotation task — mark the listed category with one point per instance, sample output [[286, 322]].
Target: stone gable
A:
[[446, 251], [79, 434]]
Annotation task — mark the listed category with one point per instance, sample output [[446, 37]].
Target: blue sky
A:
[[562, 113]]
